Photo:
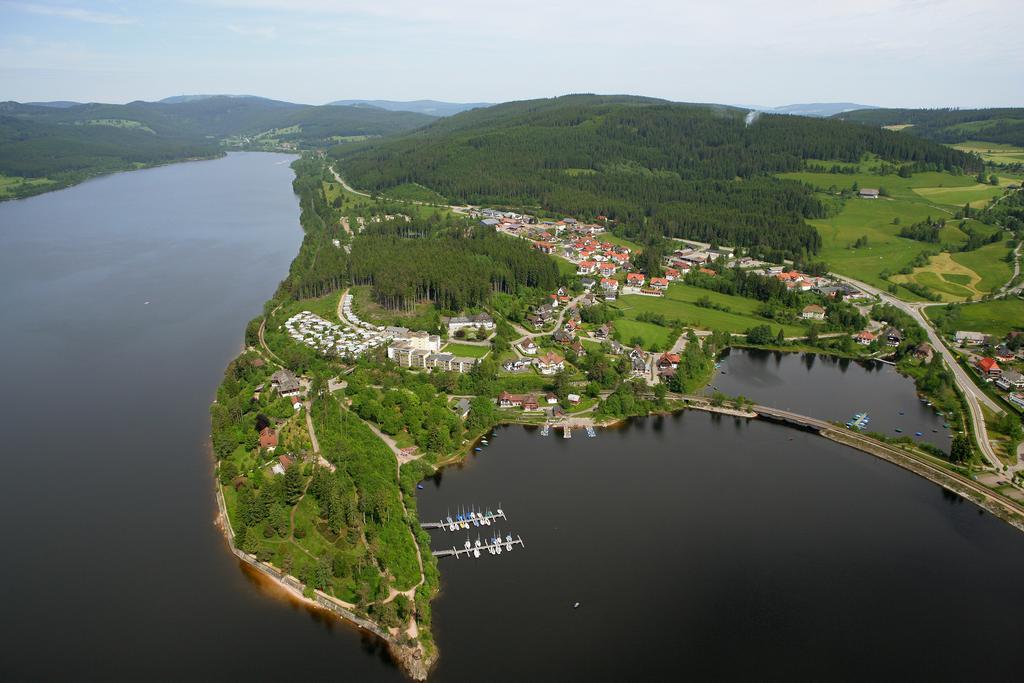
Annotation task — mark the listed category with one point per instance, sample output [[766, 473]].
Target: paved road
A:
[[974, 396]]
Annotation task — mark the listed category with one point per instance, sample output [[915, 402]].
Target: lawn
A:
[[679, 304], [653, 336], [466, 350], [997, 317], [977, 195]]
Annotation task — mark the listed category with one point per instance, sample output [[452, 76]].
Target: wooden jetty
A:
[[468, 552], [500, 514]]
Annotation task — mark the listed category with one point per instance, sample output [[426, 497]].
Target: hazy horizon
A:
[[890, 53]]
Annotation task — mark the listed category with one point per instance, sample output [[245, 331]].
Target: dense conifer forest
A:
[[698, 171], [1005, 125]]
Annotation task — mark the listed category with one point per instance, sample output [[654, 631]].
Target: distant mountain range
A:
[[820, 109], [430, 107]]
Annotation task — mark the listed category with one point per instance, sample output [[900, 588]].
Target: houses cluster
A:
[[330, 338], [696, 255], [533, 403], [549, 363], [826, 286], [422, 351], [1001, 363], [890, 336]]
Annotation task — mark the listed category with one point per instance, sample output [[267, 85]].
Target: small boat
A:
[[497, 544], [567, 434], [451, 524], [478, 449], [484, 441], [575, 605], [901, 412], [917, 434], [468, 544], [899, 431], [419, 486], [508, 542]]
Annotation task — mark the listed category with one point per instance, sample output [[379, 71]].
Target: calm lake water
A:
[[696, 545], [832, 388], [112, 568], [709, 548]]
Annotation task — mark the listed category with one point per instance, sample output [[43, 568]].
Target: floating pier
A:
[[457, 523], [504, 545], [567, 434]]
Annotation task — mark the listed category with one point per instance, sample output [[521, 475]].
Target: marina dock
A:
[[480, 519], [503, 546]]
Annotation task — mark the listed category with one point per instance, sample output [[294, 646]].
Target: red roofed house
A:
[[671, 274], [668, 360], [635, 279], [607, 269], [268, 438], [545, 247], [659, 282], [864, 337], [989, 367], [586, 267]]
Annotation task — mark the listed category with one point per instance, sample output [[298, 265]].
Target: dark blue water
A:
[[832, 389], [708, 548], [112, 568]]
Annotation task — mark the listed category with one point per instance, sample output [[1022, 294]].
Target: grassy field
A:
[[679, 304], [997, 318], [989, 262], [653, 336], [621, 241], [10, 185], [466, 350], [993, 152], [414, 192], [910, 200]]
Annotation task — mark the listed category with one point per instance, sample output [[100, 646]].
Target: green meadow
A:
[[954, 277], [679, 303], [997, 317]]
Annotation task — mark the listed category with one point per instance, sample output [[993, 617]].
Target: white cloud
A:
[[75, 13]]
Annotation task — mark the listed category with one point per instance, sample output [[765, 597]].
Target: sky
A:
[[896, 53]]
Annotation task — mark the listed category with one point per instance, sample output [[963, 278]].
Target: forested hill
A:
[[67, 144], [1005, 125], [684, 170]]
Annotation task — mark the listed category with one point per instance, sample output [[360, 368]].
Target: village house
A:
[[461, 408], [659, 283], [671, 274], [923, 352], [544, 247], [528, 347], [550, 363], [864, 337], [893, 337], [868, 193], [517, 364], [989, 367], [668, 360], [552, 398], [469, 321], [635, 279], [268, 438], [281, 464], [1004, 353], [524, 401], [967, 338], [813, 312], [286, 383], [602, 332], [562, 336], [648, 291], [586, 267], [1010, 380]]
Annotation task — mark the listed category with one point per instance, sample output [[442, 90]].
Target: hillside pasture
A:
[[997, 317], [679, 303]]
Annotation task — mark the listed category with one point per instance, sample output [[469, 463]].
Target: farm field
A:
[[679, 303], [993, 152], [989, 262], [997, 317], [938, 195]]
